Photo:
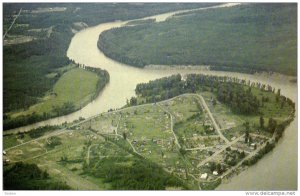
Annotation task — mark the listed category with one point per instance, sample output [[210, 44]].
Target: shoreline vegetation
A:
[[212, 38], [291, 79], [55, 107]]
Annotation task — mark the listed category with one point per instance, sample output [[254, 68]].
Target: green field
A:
[[248, 37], [76, 86]]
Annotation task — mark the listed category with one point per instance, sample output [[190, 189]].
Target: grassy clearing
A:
[[12, 140], [147, 122], [76, 86], [183, 107], [222, 113]]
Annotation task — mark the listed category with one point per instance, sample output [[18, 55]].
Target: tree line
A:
[[233, 92], [140, 175], [26, 176]]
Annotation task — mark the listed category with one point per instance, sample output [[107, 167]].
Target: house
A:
[[253, 146], [4, 152], [207, 123], [204, 176], [159, 142], [215, 173], [230, 124]]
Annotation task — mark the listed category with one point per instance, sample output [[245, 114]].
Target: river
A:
[[277, 170]]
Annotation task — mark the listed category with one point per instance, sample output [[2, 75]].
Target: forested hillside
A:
[[245, 38]]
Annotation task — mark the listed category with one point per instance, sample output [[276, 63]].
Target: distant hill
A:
[[260, 37]]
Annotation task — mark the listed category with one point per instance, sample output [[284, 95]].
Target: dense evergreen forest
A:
[[25, 176], [27, 65], [244, 38]]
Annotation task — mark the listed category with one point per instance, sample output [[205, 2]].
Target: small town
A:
[[181, 134]]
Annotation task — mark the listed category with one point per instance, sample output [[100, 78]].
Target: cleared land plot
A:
[[145, 123], [46, 10], [194, 127], [17, 39], [182, 107], [106, 123], [12, 140], [76, 86], [222, 114]]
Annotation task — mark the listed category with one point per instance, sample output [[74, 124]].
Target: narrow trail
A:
[[172, 124], [12, 24], [219, 151], [212, 119], [89, 152], [73, 180]]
